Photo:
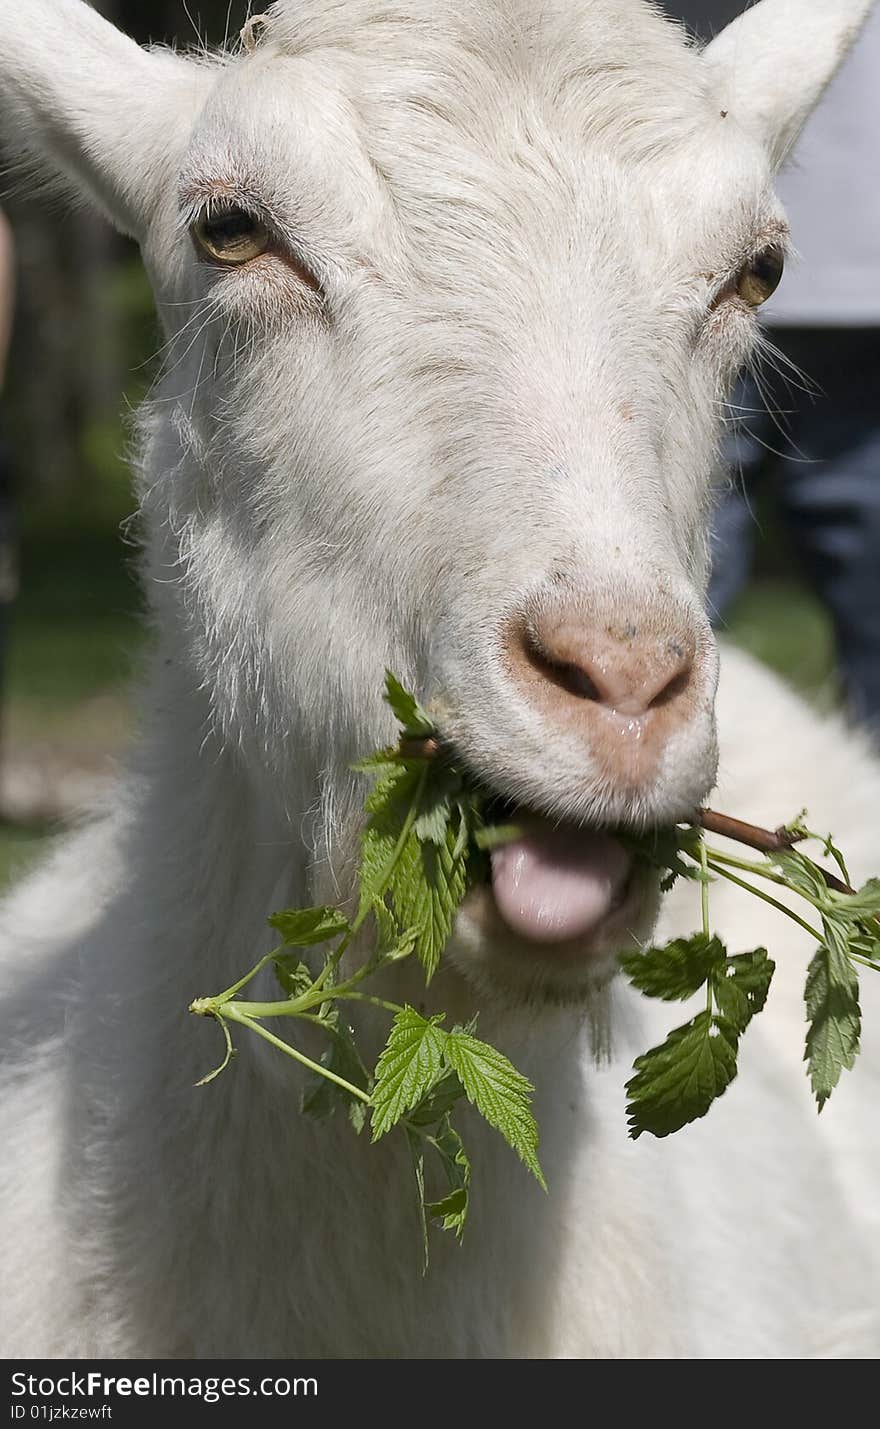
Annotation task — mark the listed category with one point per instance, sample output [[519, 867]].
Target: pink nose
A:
[[624, 689]]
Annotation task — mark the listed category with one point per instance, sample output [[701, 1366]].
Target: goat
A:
[[453, 293]]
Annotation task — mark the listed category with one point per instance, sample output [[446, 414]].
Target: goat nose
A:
[[623, 688], [623, 670]]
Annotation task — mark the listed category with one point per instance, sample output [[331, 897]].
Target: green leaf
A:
[[662, 849], [386, 929], [452, 1210], [499, 1092], [303, 927], [293, 976], [407, 1068], [835, 1024], [393, 795], [321, 1098], [394, 946], [427, 890], [407, 710], [857, 906], [417, 1158], [388, 805], [492, 836], [382, 763], [740, 986], [832, 851], [440, 802], [802, 874], [432, 825], [426, 881], [677, 1082], [676, 971], [439, 1101]]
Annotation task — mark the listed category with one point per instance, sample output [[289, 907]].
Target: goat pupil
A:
[[762, 276], [230, 229]]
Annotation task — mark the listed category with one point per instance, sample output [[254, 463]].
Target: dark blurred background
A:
[[83, 357]]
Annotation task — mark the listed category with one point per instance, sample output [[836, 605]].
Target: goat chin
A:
[[146, 1218]]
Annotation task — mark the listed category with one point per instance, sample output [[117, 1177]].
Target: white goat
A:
[[467, 283]]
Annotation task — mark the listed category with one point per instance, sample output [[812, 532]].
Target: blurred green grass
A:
[[778, 620], [74, 638]]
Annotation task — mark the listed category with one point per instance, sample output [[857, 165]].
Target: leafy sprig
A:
[[419, 856], [424, 845], [677, 1082]]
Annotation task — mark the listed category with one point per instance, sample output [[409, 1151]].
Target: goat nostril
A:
[[564, 673], [676, 686]]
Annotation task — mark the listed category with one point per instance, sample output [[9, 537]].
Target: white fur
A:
[[770, 84], [519, 218]]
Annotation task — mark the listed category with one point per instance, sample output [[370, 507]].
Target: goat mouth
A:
[[566, 891]]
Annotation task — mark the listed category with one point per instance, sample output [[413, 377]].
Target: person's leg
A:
[[830, 495], [734, 523]]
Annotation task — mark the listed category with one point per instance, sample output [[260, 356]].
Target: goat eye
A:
[[760, 278], [231, 236]]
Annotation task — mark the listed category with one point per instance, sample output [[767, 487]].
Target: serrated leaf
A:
[[662, 849], [801, 874], [833, 1013], [391, 945], [432, 825], [468, 807], [407, 710], [832, 851], [501, 1094], [388, 805], [740, 986], [304, 927], [677, 1082], [380, 764], [292, 975], [677, 970], [427, 890], [393, 794], [452, 1210], [440, 802], [857, 906], [407, 1069], [425, 882], [321, 1098], [439, 1101]]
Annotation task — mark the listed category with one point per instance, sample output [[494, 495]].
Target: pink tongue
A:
[[555, 884]]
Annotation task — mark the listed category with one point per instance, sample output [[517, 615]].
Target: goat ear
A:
[[83, 100], [772, 63]]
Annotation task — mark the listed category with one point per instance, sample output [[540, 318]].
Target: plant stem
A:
[[768, 841], [243, 982], [865, 962], [299, 1008], [759, 893], [704, 906], [704, 888], [394, 1007], [764, 840], [760, 870], [233, 1013]]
